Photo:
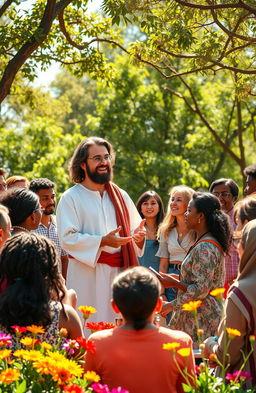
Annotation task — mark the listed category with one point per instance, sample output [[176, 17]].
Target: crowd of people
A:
[[131, 260]]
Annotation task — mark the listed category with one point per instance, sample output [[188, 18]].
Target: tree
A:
[[50, 31], [206, 35], [201, 38], [39, 150]]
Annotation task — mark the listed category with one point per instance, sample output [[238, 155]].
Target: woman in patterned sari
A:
[[202, 269]]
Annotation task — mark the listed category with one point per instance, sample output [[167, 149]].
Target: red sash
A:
[[122, 219], [113, 260]]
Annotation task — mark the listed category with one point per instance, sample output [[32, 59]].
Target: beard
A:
[[48, 212], [99, 178]]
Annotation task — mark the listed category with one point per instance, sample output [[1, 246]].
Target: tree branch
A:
[[198, 111], [5, 6], [228, 32], [239, 4], [27, 49]]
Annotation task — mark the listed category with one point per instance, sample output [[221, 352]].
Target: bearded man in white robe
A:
[[99, 227]]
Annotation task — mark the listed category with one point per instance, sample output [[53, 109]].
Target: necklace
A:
[[20, 228]]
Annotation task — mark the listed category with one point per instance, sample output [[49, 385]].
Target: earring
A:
[[199, 221]]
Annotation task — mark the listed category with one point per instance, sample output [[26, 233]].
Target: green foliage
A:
[[39, 150]]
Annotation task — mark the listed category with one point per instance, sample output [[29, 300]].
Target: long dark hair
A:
[[217, 221], [81, 154], [29, 264], [147, 195]]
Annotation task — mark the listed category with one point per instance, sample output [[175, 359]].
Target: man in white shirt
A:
[[99, 226]]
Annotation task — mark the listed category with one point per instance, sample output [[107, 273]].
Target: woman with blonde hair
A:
[[175, 237]]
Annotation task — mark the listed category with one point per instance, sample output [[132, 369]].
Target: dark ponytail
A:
[[216, 220]]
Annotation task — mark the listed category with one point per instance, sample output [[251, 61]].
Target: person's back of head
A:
[[21, 203], [136, 292], [29, 265], [245, 211], [250, 174], [5, 225], [17, 181], [41, 183]]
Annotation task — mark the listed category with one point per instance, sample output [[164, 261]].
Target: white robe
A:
[[83, 218]]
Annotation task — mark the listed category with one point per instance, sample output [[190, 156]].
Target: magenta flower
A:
[[5, 339], [119, 390], [238, 374], [98, 388]]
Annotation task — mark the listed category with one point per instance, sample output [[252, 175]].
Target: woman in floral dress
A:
[[203, 268]]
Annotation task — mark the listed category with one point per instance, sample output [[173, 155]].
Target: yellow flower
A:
[[184, 352], [57, 356], [28, 341], [171, 346], [9, 375], [217, 292], [20, 353], [191, 306], [44, 365], [233, 332], [35, 329], [92, 376], [45, 346], [5, 353], [200, 332], [87, 311], [32, 356], [74, 368]]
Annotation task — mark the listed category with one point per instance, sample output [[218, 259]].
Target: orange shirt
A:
[[136, 361]]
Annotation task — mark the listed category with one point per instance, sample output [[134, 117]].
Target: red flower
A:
[[73, 389], [87, 345], [19, 329], [96, 326]]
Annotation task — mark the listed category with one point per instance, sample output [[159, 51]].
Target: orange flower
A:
[[61, 375], [200, 332], [92, 376], [191, 306], [73, 389], [185, 352], [87, 311], [63, 332], [252, 338], [217, 292], [171, 346], [233, 332], [35, 329], [213, 357], [9, 375]]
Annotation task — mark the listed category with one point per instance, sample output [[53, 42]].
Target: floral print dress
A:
[[202, 271]]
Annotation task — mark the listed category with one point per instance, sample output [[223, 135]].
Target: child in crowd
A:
[[150, 207], [132, 355]]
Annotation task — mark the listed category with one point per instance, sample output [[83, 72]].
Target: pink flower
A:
[[98, 388], [5, 339], [119, 390], [238, 374]]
